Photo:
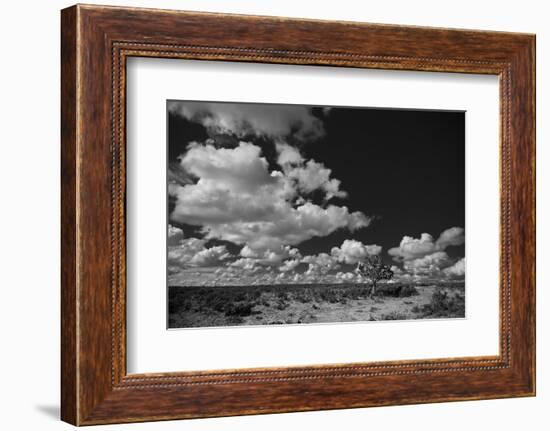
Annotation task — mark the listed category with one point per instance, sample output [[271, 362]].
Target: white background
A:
[[29, 224], [151, 348]]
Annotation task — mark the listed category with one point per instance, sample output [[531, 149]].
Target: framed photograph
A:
[[267, 215]]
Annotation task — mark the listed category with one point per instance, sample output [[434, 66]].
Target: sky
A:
[[275, 194]]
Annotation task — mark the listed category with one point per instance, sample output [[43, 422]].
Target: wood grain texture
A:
[[69, 330], [96, 41]]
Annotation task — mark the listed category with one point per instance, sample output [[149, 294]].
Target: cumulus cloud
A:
[[292, 226], [246, 263], [210, 256], [288, 155], [437, 265], [184, 252], [425, 257], [396, 270], [457, 270], [309, 175], [275, 257], [414, 248], [411, 248], [313, 176], [271, 255], [192, 252], [452, 236], [175, 235], [246, 251], [236, 198], [347, 277], [320, 264], [289, 265], [429, 265], [240, 168], [241, 119], [352, 251]]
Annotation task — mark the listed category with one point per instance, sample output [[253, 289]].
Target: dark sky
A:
[[405, 168]]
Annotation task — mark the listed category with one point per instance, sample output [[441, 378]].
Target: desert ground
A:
[[191, 307]]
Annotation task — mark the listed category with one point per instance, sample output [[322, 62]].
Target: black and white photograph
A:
[[296, 214]]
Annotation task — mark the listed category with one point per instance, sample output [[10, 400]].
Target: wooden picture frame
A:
[[95, 43]]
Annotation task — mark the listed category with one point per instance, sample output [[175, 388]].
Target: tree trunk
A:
[[373, 289]]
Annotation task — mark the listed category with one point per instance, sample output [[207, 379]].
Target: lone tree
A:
[[375, 270]]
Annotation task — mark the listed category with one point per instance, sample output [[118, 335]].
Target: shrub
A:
[[255, 294], [239, 309], [235, 319], [304, 296], [407, 290], [394, 315], [354, 292], [240, 296], [219, 305], [444, 305], [277, 322], [282, 295], [281, 304], [397, 290], [332, 295]]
